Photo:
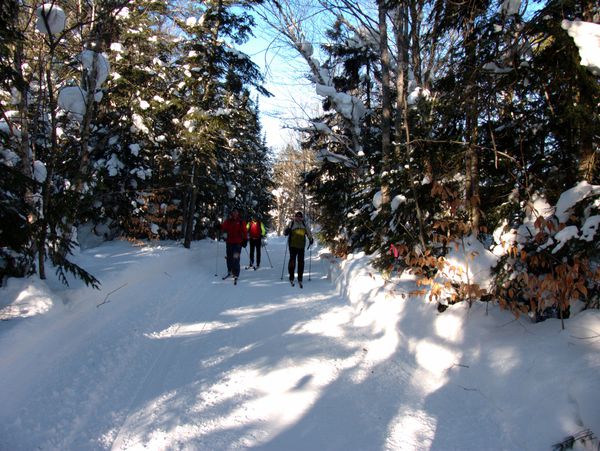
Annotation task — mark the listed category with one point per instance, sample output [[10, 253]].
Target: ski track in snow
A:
[[167, 356]]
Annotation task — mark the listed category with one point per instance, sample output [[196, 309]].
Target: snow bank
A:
[[168, 356], [477, 355], [471, 263], [27, 297]]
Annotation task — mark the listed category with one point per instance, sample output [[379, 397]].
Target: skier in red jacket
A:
[[256, 232], [235, 234]]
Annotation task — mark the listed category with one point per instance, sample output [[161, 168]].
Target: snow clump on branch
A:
[[86, 58], [348, 106], [510, 7], [364, 38], [416, 93], [307, 49], [72, 99], [587, 38], [55, 19]]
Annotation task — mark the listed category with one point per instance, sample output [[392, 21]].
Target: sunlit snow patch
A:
[[187, 330], [32, 300]]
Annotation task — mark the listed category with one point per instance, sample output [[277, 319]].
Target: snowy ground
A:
[[168, 356]]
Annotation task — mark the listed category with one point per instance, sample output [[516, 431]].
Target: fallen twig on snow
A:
[[108, 294]]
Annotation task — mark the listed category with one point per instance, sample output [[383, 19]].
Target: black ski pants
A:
[[255, 243], [296, 254], [233, 259]]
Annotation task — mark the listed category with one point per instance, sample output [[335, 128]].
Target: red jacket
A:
[[236, 231]]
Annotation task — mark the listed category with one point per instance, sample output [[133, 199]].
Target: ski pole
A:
[[283, 266], [309, 260], [247, 254], [217, 258], [268, 256]]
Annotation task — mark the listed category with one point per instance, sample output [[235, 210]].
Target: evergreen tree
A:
[[255, 175], [137, 140], [44, 65], [216, 85], [16, 257], [567, 93]]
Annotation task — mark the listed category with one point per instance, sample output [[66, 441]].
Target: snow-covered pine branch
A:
[[351, 109]]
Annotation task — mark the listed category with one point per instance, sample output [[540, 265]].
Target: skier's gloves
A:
[[224, 236]]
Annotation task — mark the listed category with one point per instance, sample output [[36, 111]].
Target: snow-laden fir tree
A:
[[216, 84], [138, 136]]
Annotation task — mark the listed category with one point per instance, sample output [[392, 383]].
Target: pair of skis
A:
[[294, 283], [235, 279], [253, 267]]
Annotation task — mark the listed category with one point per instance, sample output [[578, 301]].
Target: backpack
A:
[[255, 230], [297, 237]]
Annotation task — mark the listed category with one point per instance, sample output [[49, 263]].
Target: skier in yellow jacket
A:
[[297, 232]]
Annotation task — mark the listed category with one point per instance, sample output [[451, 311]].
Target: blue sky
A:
[[285, 75]]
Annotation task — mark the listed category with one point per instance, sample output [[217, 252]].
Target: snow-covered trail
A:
[[171, 357], [167, 356]]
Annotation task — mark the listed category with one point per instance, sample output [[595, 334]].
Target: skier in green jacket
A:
[[297, 232]]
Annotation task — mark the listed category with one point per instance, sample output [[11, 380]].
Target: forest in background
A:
[[132, 118], [439, 121]]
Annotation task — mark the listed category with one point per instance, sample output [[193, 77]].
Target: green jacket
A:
[[298, 232]]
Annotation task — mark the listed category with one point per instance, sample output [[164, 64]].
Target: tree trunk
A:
[[47, 189], [386, 103], [401, 124], [189, 228], [588, 161], [84, 155], [472, 197], [26, 162], [191, 210]]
